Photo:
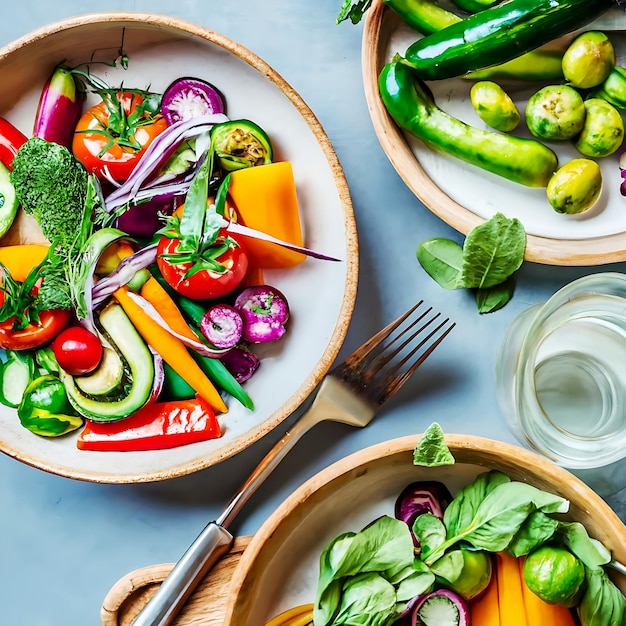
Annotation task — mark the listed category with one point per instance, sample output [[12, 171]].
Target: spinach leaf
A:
[[462, 510], [366, 599], [590, 551], [442, 259], [384, 545], [603, 604], [416, 582], [499, 517], [430, 532], [431, 450], [492, 252], [535, 531]]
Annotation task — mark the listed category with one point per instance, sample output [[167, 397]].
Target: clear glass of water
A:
[[561, 373]]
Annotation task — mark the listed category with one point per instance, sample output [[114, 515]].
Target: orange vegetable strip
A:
[[485, 610], [172, 350], [21, 258], [265, 199], [300, 615], [540, 612], [156, 295], [510, 595]]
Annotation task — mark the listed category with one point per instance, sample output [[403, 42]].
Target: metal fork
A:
[[351, 393]]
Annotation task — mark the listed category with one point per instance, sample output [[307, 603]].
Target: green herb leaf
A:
[[192, 220], [491, 299], [603, 604], [430, 532], [442, 259], [432, 451], [367, 596], [492, 252], [535, 531], [353, 10], [590, 551]]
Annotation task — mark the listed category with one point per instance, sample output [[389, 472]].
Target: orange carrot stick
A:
[[172, 350]]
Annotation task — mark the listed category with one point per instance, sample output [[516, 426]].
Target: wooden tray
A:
[[206, 607]]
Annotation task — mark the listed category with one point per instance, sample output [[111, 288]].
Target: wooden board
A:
[[206, 606]]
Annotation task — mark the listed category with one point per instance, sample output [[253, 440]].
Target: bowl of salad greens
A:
[[170, 209], [435, 529]]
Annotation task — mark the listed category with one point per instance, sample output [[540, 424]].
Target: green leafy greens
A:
[[432, 450], [491, 254]]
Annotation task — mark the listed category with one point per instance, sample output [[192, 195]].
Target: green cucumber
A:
[[15, 375], [8, 200], [498, 34], [410, 103], [109, 402]]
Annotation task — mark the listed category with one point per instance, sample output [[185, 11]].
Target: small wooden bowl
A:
[[279, 568], [464, 196], [161, 49]]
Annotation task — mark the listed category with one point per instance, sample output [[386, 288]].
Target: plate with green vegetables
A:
[[161, 235], [468, 121]]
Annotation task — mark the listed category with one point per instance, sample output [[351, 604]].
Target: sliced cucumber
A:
[[106, 378], [114, 402], [8, 200], [15, 375]]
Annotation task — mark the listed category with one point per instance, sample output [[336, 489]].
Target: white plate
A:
[[321, 294], [280, 567], [464, 195]]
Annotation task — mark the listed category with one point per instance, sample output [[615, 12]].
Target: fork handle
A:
[[211, 544]]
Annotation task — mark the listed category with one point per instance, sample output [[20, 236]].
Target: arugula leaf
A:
[[432, 451], [492, 252], [353, 10]]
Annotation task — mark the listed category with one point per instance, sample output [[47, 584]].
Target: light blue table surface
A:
[[64, 543]]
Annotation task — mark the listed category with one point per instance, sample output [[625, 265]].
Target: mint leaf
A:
[[432, 451], [492, 252]]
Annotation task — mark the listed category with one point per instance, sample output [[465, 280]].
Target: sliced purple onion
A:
[[441, 608], [189, 97], [144, 219], [426, 496], [264, 311], [222, 326], [159, 376], [240, 363]]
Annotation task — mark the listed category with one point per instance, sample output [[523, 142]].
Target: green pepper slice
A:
[[239, 144]]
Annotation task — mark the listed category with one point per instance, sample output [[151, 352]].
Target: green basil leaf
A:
[[603, 604], [449, 566], [535, 531], [492, 252], [590, 551], [366, 599], [491, 299], [442, 259]]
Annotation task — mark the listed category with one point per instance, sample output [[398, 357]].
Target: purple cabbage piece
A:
[[190, 97], [240, 363], [426, 496]]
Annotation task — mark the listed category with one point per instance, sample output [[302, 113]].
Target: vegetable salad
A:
[[498, 552], [136, 324]]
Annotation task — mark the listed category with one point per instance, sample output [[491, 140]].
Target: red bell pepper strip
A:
[[156, 426], [11, 140]]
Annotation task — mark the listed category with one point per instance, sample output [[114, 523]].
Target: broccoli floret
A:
[[51, 185]]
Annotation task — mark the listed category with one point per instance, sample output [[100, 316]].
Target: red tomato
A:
[[51, 323], [77, 350], [113, 135], [11, 140], [204, 284]]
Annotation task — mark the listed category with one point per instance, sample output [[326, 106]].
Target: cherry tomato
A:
[[51, 323], [77, 350], [204, 284], [113, 135]]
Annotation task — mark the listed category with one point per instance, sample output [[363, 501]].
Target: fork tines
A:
[[385, 362]]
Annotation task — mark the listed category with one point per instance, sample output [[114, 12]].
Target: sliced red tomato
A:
[[112, 135], [77, 350], [203, 284]]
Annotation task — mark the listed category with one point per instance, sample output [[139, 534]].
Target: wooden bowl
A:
[[279, 568], [161, 49], [464, 196]]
